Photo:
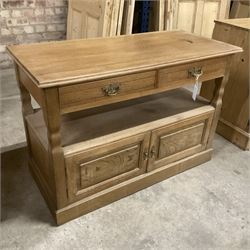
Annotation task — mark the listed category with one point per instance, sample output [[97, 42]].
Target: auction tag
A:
[[196, 90]]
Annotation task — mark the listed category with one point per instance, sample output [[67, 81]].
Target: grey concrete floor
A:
[[207, 207], [11, 123]]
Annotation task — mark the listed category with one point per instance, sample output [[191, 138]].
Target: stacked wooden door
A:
[[196, 16], [92, 18], [95, 18]]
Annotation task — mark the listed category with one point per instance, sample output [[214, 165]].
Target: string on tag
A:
[[196, 90], [196, 73]]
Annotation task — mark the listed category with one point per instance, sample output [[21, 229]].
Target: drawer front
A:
[[175, 76], [174, 142], [99, 168], [93, 94]]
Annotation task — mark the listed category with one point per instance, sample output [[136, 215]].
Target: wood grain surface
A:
[[102, 154], [58, 63], [243, 23]]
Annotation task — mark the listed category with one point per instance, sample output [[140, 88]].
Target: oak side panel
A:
[[27, 108]]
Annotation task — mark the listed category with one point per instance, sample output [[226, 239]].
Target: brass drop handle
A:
[[111, 89], [196, 72], [152, 152]]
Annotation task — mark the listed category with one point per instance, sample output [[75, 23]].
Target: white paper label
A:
[[196, 90]]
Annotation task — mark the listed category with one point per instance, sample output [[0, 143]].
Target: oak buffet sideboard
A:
[[114, 118]]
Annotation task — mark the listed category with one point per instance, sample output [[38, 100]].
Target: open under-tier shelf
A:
[[98, 122]]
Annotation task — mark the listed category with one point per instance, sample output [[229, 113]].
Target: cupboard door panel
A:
[[181, 140], [177, 141], [109, 166], [104, 166]]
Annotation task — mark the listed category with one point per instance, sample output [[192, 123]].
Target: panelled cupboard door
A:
[[174, 142], [196, 16], [101, 167], [88, 18]]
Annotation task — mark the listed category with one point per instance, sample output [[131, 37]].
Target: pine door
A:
[[88, 18], [196, 16]]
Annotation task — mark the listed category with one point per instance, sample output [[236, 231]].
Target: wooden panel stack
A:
[[92, 18]]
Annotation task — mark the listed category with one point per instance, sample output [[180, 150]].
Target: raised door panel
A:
[[196, 16], [88, 18], [177, 141], [104, 166], [184, 17], [211, 12]]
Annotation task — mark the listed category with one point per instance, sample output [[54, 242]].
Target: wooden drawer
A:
[[172, 76], [104, 166], [93, 94], [177, 141]]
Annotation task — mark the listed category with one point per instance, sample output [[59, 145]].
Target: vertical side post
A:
[[52, 118], [216, 101]]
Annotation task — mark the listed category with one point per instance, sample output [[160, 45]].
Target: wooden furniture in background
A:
[[196, 16], [113, 119], [99, 18], [161, 4], [120, 17], [235, 115], [240, 9], [128, 17], [92, 18]]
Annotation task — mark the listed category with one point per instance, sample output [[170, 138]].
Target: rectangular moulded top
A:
[[59, 63]]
